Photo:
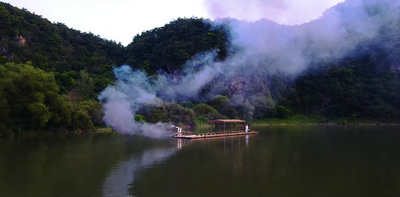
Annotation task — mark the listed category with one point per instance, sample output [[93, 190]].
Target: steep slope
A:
[[342, 65], [55, 47], [169, 47], [336, 66], [364, 81]]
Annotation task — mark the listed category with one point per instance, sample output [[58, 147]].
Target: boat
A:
[[228, 130]]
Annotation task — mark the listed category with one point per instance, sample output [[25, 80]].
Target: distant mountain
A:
[[342, 65], [359, 77]]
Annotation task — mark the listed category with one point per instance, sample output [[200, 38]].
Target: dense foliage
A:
[[56, 48], [68, 68], [356, 89], [50, 76], [169, 47], [30, 99]]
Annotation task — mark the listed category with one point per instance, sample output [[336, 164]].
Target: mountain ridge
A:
[[342, 65]]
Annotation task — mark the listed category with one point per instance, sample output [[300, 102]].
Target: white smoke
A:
[[122, 100], [262, 48], [118, 110]]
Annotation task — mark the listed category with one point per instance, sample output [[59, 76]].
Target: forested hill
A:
[[51, 75], [56, 48], [79, 65], [169, 47]]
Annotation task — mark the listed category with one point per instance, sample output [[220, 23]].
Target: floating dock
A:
[[213, 135], [226, 132]]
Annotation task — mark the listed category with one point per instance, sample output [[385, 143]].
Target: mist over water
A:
[[258, 51]]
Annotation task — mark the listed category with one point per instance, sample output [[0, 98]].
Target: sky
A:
[[121, 20]]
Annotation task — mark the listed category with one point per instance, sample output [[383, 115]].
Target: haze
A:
[[121, 20]]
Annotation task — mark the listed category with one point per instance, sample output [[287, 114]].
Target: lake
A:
[[279, 161]]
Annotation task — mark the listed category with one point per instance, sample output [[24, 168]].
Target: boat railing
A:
[[219, 133], [181, 133]]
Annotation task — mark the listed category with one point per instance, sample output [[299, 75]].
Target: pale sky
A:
[[121, 20]]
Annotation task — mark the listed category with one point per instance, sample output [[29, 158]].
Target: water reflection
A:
[[282, 161], [122, 176], [180, 143], [227, 144], [279, 161]]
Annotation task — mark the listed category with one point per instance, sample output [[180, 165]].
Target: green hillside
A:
[[80, 64], [169, 47], [354, 91], [51, 75]]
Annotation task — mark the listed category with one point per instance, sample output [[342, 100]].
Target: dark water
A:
[[280, 161]]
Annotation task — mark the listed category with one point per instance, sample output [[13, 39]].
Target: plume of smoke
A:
[[117, 109], [198, 72], [262, 48], [121, 101], [267, 47]]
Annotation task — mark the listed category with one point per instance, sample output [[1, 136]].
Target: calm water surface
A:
[[279, 161]]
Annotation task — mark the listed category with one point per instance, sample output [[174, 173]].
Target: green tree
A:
[[282, 111], [29, 93], [94, 110], [187, 104], [139, 118], [180, 115], [219, 102], [169, 47], [85, 85], [157, 114], [40, 113], [207, 111], [30, 99]]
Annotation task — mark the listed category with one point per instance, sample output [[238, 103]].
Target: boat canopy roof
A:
[[227, 120]]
